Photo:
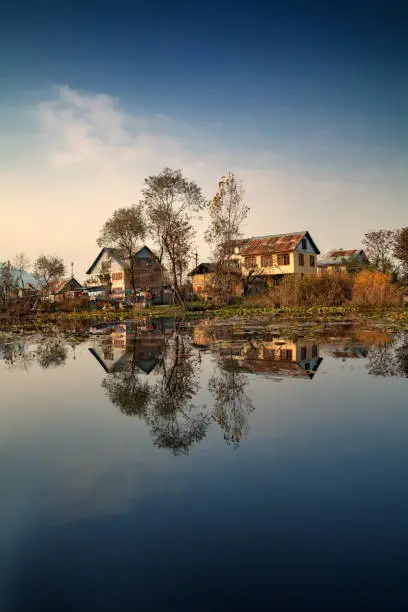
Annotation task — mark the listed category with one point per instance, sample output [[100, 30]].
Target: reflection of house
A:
[[110, 269], [268, 258], [282, 357], [120, 350], [339, 260], [353, 351]]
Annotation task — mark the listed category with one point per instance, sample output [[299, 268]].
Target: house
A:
[[24, 283], [273, 257], [203, 279], [265, 259], [60, 288], [111, 270], [341, 261]]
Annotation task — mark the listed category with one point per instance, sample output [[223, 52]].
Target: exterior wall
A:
[[292, 268], [274, 269], [307, 268], [202, 284], [334, 269]]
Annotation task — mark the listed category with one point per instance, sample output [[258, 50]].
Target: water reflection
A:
[[165, 401], [49, 353]]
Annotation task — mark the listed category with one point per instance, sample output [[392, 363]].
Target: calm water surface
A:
[[204, 467]]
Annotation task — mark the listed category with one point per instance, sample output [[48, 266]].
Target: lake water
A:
[[200, 467]]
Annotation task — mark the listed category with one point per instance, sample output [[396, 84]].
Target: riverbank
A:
[[292, 321]]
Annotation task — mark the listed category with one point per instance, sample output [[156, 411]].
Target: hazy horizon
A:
[[306, 105]]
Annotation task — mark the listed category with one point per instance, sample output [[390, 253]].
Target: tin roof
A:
[[342, 256], [275, 243]]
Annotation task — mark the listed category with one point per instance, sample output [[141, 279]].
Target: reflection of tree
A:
[[166, 404], [51, 353], [16, 355], [174, 420], [126, 390], [231, 402], [389, 359]]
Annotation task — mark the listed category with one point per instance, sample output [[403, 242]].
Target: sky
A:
[[305, 101]]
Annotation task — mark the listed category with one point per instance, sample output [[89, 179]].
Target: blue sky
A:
[[306, 100]]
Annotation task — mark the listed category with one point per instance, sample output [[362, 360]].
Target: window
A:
[[269, 354], [286, 354], [250, 262], [312, 260], [116, 276], [304, 244], [314, 350], [267, 261], [301, 259], [283, 259], [303, 353], [236, 263]]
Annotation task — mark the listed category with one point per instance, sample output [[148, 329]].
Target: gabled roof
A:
[[117, 256], [114, 253], [58, 285], [342, 256], [206, 268], [275, 243]]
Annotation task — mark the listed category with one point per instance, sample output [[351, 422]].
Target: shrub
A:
[[310, 291], [373, 288]]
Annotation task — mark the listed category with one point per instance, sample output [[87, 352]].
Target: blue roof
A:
[[28, 278]]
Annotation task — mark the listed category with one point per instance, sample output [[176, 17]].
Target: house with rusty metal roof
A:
[[342, 260], [267, 259], [273, 256]]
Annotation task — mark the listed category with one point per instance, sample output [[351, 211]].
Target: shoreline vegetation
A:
[[294, 321]]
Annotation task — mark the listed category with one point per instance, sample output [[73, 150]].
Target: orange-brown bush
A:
[[312, 290], [372, 288]]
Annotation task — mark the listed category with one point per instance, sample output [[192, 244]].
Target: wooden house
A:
[[341, 261], [112, 271]]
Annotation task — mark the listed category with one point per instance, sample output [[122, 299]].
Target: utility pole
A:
[[72, 269]]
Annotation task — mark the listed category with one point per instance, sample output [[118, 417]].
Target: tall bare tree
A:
[[401, 251], [170, 201], [379, 246], [124, 231], [228, 212]]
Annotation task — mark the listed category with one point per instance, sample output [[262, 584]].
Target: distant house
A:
[[203, 281], [23, 282], [340, 260], [111, 270], [63, 286], [267, 259]]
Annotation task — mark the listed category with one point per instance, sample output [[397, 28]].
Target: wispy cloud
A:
[[88, 154]]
